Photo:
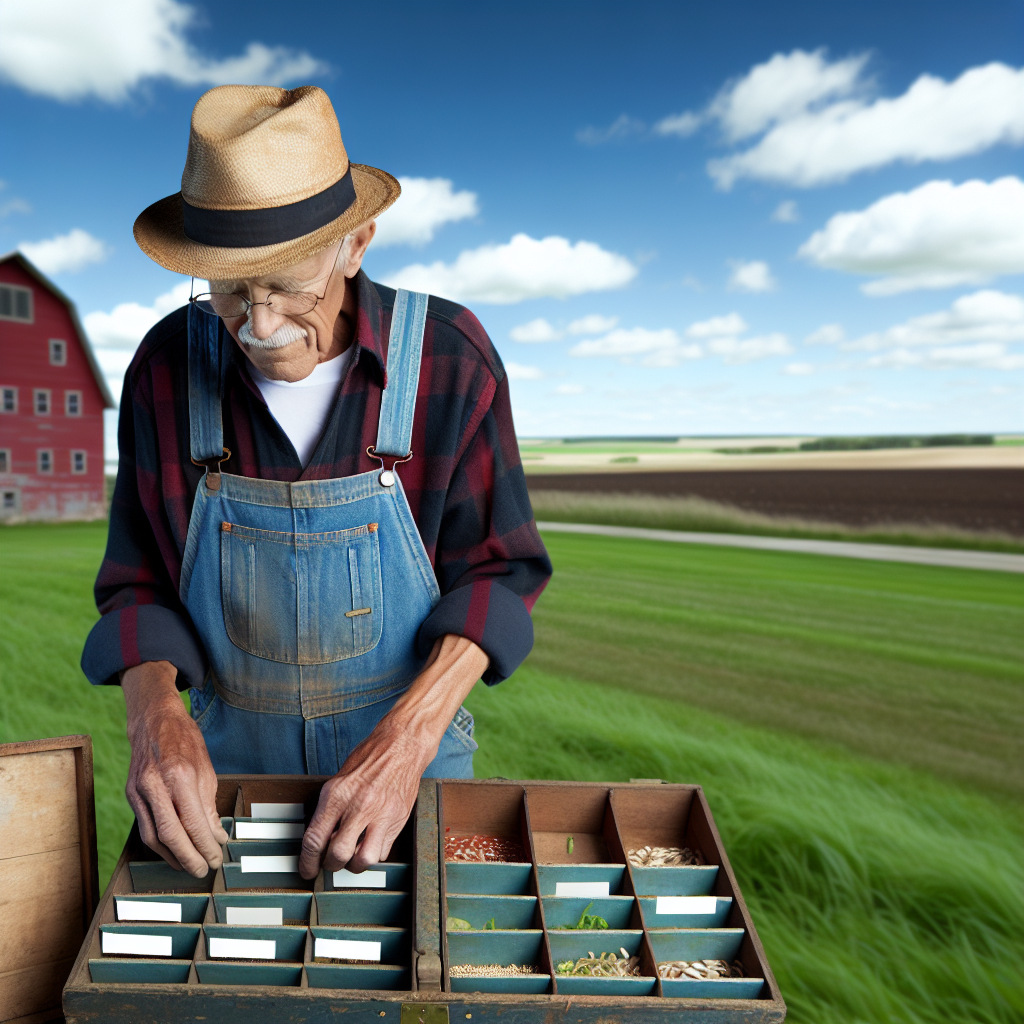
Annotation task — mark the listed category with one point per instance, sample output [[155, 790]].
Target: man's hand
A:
[[377, 786], [171, 786]]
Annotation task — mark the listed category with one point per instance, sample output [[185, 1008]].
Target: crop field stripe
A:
[[944, 557]]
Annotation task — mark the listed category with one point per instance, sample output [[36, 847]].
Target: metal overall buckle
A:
[[212, 467], [387, 473]]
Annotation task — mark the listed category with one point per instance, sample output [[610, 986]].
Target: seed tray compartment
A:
[[603, 820], [191, 909], [509, 913], [656, 918]]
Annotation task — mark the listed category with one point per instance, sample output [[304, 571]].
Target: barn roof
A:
[[33, 271]]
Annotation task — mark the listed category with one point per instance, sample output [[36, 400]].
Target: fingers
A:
[[147, 830], [169, 829], [195, 821], [371, 848], [322, 826]]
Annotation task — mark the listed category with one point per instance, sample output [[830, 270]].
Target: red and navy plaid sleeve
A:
[[465, 486]]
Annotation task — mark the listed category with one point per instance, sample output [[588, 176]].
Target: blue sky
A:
[[688, 218]]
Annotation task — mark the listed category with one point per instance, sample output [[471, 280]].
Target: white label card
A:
[[344, 879], [346, 949], [142, 910], [268, 830], [290, 812], [274, 865], [581, 888], [244, 949], [255, 915], [136, 945], [686, 905]]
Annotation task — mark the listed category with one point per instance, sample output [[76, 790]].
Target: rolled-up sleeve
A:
[[491, 564]]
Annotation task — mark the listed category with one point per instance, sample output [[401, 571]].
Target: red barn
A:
[[52, 397]]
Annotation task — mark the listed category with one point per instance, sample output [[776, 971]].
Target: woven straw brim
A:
[[159, 230]]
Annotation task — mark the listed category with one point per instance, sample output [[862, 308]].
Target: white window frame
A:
[[14, 393], [14, 290], [85, 461], [5, 460], [36, 392], [40, 452], [58, 352], [68, 396]]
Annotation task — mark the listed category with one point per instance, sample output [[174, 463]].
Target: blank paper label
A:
[[137, 945], [364, 880], [244, 949], [270, 864], [346, 949], [268, 830], [686, 905], [581, 888], [290, 812], [139, 910], [255, 915]]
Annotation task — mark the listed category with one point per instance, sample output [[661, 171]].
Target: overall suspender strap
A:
[[398, 402], [205, 389]]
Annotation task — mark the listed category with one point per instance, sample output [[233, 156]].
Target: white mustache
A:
[[284, 335]]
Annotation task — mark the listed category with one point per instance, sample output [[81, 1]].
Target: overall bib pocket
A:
[[301, 598]]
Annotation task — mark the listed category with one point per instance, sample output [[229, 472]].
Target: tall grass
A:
[[705, 516]]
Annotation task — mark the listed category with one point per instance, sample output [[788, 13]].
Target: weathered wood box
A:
[[254, 942]]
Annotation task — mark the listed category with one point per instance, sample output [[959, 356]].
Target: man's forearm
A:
[[142, 685]]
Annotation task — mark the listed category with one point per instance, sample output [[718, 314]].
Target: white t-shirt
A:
[[302, 407]]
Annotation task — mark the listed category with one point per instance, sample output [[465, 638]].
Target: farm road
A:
[[946, 557]]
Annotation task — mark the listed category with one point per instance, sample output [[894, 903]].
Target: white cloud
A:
[[592, 324], [717, 326], [786, 212], [752, 276], [936, 236], [570, 389], [623, 127], [535, 332], [65, 254], [681, 125], [517, 371], [798, 369], [811, 144], [826, 334], [68, 50], [424, 206], [655, 348], [991, 356], [746, 350], [524, 268]]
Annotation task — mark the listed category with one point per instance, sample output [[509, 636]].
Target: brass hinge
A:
[[424, 1013]]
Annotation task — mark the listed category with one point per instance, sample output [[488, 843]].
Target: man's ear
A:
[[361, 238]]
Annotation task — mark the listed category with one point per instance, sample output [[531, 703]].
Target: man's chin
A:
[[287, 363]]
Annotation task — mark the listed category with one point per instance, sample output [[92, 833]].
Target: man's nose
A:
[[264, 321]]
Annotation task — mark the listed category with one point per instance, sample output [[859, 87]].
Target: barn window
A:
[[10, 501], [15, 303], [41, 401], [58, 352], [72, 403], [9, 400], [44, 460], [78, 462], [5, 460]]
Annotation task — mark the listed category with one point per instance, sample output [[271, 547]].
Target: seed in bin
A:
[[702, 970], [483, 848], [489, 970], [607, 965], [664, 857]]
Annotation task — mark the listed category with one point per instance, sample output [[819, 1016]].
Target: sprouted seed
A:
[[705, 970], [607, 965], [460, 924], [587, 922], [569, 845], [664, 857]]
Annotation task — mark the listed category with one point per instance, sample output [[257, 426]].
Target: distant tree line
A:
[[847, 444]]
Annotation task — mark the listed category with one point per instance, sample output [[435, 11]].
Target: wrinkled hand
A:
[[172, 787], [364, 807]]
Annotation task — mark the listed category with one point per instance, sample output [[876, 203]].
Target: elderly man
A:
[[320, 525]]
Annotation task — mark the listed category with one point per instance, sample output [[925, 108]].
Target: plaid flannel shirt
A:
[[465, 486]]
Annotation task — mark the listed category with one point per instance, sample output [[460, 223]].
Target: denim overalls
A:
[[307, 596]]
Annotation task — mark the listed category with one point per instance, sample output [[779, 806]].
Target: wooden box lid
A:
[[49, 886]]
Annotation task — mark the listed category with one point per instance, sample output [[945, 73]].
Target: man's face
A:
[[293, 345]]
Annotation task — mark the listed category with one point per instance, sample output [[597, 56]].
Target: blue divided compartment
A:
[[290, 939], [549, 875], [572, 945], [232, 832], [495, 878], [654, 920], [294, 905], [398, 878], [264, 848], [502, 948], [382, 977], [395, 943], [236, 878], [193, 908], [140, 972], [704, 944], [229, 972], [563, 912], [675, 881], [364, 907], [507, 912], [159, 876], [183, 936]]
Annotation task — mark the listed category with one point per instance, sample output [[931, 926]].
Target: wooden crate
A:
[[49, 886], [405, 907]]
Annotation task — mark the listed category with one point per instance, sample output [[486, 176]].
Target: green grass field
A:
[[857, 727]]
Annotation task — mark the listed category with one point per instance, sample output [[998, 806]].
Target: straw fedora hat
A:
[[267, 183]]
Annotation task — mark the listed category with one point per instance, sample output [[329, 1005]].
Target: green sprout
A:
[[569, 845], [587, 922]]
